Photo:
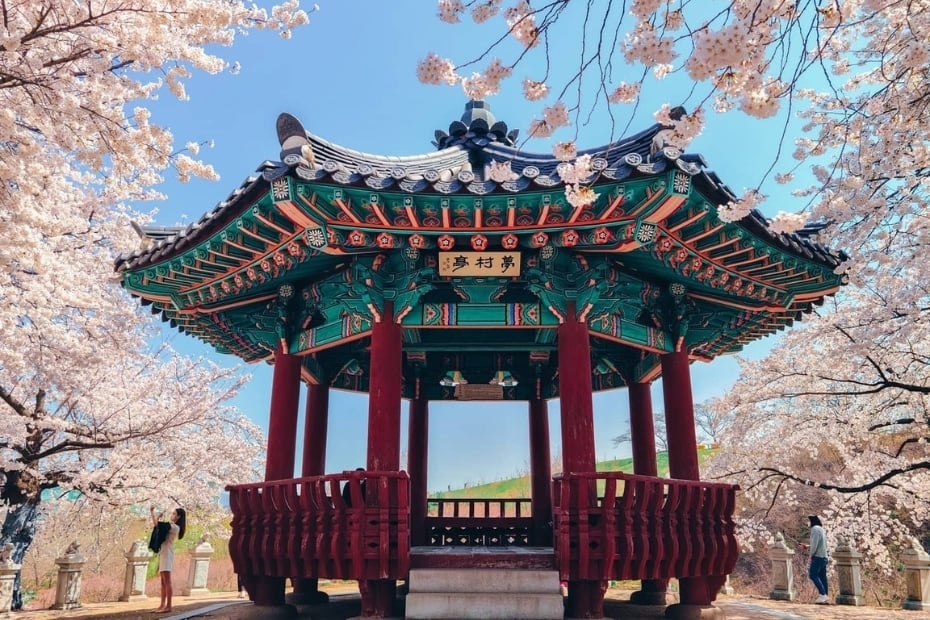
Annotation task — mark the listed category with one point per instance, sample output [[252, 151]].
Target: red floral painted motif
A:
[[510, 241], [446, 242], [357, 238], [385, 241], [479, 243], [539, 239]]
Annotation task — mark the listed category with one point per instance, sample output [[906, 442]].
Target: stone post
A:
[[917, 575], [200, 567], [726, 588], [848, 574], [782, 570], [8, 572], [137, 564], [70, 565]]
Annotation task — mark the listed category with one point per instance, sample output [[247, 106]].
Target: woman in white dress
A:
[[178, 523]]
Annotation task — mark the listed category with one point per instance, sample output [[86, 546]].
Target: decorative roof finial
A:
[[476, 129]]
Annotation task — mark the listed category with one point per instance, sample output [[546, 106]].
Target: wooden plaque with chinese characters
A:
[[479, 264], [479, 391]]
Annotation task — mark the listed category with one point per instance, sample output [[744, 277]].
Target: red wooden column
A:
[[682, 458], [643, 438], [282, 441], [585, 598], [384, 395], [418, 456], [540, 473], [316, 421]]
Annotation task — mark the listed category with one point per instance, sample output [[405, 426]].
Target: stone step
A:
[[483, 605], [488, 580]]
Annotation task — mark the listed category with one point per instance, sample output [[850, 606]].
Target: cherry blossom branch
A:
[[880, 480]]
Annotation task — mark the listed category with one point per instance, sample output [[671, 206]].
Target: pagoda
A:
[[466, 274]]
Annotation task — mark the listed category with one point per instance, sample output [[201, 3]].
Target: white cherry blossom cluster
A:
[[644, 9], [785, 222], [449, 11], [580, 195], [734, 211], [436, 70], [682, 131], [716, 49], [482, 85], [575, 175], [522, 23], [500, 172], [484, 10], [645, 45], [565, 151], [624, 93], [554, 116], [534, 90], [764, 101]]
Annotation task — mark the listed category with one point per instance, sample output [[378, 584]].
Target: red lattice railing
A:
[[303, 528], [642, 527], [479, 522]]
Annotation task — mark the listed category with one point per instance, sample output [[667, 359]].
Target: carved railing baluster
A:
[[657, 528]]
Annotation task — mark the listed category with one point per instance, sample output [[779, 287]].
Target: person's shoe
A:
[[822, 600]]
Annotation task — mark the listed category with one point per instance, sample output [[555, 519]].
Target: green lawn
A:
[[520, 487]]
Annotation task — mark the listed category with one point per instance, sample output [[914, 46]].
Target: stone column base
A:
[[850, 599], [783, 595], [644, 597], [307, 598], [682, 611]]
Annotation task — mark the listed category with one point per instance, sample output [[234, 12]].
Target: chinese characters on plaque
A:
[[479, 264]]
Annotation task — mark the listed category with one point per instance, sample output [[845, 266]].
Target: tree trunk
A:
[[19, 528]]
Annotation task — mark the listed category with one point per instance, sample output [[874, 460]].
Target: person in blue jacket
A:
[[818, 552]]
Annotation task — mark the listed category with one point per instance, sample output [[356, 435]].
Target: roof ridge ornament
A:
[[476, 129], [295, 146]]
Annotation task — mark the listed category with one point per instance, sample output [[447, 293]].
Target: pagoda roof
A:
[[454, 170], [308, 250]]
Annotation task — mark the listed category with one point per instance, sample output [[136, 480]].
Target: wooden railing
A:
[[642, 527], [303, 528], [479, 522]]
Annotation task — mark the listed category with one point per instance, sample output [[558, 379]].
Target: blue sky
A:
[[350, 77]]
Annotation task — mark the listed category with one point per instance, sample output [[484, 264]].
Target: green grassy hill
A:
[[520, 487]]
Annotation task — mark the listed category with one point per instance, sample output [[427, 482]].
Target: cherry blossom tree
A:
[[92, 400], [840, 406]]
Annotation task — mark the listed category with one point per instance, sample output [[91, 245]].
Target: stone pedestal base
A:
[[783, 595], [307, 598], [8, 572], [850, 599], [643, 597], [682, 611]]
